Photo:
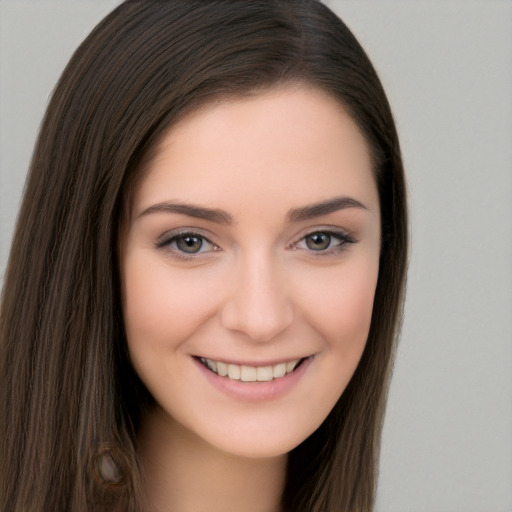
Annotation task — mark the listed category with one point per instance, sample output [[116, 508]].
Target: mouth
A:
[[247, 373]]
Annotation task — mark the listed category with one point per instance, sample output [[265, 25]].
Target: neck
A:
[[184, 473]]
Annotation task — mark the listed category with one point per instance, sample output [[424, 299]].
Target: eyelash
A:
[[167, 241], [343, 240]]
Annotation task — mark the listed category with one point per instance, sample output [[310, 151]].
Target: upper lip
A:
[[246, 362]]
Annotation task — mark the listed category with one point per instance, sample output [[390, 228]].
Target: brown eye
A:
[[318, 241]]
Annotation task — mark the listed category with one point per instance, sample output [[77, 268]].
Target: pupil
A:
[[318, 241], [190, 244]]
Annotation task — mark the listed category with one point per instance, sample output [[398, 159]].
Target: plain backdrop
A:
[[447, 69]]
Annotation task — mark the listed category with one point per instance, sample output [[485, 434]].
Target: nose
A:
[[258, 304]]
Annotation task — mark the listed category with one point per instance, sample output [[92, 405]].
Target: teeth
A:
[[222, 368], [279, 370], [234, 371], [250, 373], [290, 366], [264, 373], [211, 364]]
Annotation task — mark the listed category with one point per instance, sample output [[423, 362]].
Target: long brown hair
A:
[[68, 391]]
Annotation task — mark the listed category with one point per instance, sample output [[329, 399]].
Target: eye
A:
[[324, 241], [187, 244], [190, 244], [318, 241]]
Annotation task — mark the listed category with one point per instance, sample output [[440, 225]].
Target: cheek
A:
[[161, 307], [337, 307], [340, 307]]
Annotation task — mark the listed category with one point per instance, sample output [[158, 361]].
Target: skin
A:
[[261, 288]]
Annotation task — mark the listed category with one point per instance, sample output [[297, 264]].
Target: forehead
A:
[[293, 144]]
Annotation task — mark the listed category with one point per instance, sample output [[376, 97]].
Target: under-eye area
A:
[[246, 373]]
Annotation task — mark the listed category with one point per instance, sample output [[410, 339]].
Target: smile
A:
[[246, 373]]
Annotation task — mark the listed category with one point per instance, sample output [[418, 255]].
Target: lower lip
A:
[[255, 391]]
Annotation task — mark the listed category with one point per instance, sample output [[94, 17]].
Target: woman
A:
[[214, 224]]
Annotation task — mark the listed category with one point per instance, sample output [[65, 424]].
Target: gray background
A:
[[447, 68]]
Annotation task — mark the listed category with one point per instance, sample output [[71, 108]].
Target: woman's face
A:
[[249, 268]]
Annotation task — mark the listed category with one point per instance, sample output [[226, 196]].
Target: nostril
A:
[[258, 323], [257, 301]]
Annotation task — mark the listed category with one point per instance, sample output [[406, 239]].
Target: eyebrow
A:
[[223, 217], [199, 212], [324, 208]]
